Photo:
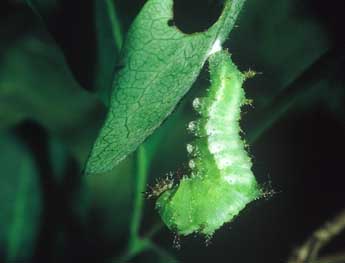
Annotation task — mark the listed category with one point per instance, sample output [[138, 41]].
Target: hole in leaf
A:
[[196, 15]]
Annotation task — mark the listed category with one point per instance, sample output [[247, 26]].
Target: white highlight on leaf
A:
[[217, 46]]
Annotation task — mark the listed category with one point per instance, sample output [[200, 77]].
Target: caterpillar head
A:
[[161, 185]]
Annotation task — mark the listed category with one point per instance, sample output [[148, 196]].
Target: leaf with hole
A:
[[160, 63]]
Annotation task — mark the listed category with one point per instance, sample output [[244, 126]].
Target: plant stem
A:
[[336, 258], [115, 23], [308, 252], [162, 253], [136, 244], [153, 230], [141, 180]]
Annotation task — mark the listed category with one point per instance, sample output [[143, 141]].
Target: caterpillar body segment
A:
[[221, 182]]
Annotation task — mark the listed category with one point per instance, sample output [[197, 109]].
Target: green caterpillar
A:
[[221, 183]]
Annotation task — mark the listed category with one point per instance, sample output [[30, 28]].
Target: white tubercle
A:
[[190, 148], [191, 164], [217, 46], [192, 126], [196, 104]]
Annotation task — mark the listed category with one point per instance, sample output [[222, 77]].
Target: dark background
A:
[[56, 71]]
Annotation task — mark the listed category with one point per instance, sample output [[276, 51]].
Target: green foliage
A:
[[160, 64], [20, 200]]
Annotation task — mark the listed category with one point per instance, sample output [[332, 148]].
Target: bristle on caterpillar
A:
[[221, 182], [161, 185]]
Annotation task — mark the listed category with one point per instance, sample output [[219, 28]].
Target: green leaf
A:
[[160, 64], [43, 8], [20, 200]]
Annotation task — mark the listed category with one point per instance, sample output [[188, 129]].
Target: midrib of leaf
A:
[[160, 64]]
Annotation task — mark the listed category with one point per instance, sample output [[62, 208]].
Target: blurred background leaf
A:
[[20, 200], [97, 27], [35, 83]]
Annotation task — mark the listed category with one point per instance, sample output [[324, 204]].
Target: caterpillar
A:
[[221, 182]]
